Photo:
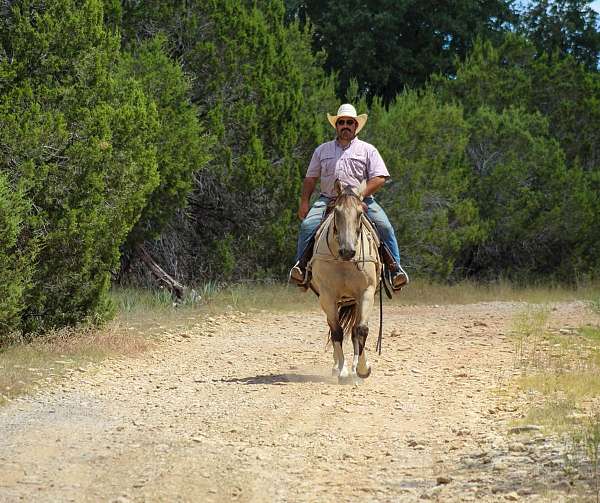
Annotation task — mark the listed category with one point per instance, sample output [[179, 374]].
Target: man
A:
[[351, 161]]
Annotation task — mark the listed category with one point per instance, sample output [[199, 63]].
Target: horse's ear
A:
[[361, 189], [337, 187]]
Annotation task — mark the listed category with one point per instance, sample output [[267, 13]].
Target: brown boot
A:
[[297, 275], [399, 278]]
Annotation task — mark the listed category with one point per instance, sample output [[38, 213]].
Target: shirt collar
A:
[[347, 146]]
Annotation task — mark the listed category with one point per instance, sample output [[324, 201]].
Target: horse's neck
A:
[[368, 242], [327, 245], [324, 239], [367, 226]]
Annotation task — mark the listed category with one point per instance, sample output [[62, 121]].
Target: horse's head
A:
[[347, 215]]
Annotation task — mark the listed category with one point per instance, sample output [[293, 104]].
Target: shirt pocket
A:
[[356, 166], [328, 165]]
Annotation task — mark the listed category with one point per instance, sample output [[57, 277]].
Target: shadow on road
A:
[[280, 379]]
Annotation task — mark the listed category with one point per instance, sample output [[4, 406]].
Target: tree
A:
[[423, 141], [533, 126], [258, 89], [76, 145], [512, 75], [529, 201], [181, 143], [15, 260], [564, 27], [387, 45]]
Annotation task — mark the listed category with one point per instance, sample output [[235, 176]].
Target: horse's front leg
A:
[[329, 305], [360, 332]]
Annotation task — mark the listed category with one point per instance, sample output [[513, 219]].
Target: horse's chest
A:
[[345, 278]]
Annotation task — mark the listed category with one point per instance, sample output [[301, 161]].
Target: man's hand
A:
[[303, 210]]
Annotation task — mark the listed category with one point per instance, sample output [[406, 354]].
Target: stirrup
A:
[[297, 277]]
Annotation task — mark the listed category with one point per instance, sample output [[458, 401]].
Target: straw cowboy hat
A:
[[347, 110]]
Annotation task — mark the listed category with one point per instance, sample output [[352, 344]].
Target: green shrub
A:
[[15, 262], [77, 136]]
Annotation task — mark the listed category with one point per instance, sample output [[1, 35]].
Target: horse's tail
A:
[[347, 314]]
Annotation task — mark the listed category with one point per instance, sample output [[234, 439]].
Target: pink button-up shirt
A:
[[351, 165]]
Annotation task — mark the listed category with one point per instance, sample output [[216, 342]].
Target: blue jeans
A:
[[375, 212]]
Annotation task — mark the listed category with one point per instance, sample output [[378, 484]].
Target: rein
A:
[[333, 227], [380, 338]]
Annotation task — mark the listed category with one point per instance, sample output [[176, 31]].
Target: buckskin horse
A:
[[345, 273]]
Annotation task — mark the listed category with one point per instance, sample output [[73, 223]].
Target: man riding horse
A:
[[351, 161]]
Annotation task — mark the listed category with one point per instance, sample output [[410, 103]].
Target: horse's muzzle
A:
[[347, 254]]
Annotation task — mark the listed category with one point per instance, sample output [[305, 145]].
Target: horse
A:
[[345, 273]]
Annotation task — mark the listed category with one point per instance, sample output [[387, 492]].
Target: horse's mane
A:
[[347, 199]]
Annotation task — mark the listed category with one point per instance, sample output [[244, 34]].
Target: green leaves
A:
[[520, 182], [533, 152], [181, 143], [77, 147], [387, 45], [16, 257], [561, 28], [261, 95]]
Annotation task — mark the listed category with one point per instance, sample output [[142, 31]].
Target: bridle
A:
[[333, 228]]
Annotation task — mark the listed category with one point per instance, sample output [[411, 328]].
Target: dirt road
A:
[[244, 408]]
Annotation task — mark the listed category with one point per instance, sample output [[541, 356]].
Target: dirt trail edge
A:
[[243, 408]]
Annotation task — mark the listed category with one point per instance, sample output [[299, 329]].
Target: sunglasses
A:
[[347, 122]]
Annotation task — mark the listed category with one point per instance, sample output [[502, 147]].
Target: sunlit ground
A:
[[143, 314]]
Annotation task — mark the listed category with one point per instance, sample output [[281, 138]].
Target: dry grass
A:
[[561, 371], [561, 380], [273, 296], [467, 292], [24, 364]]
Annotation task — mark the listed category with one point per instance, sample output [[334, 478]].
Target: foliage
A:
[[189, 126], [524, 193], [387, 45], [181, 144], [534, 131], [76, 140], [512, 75], [15, 261], [423, 143], [257, 88], [564, 27]]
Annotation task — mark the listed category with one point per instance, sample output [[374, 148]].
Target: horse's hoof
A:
[[364, 376]]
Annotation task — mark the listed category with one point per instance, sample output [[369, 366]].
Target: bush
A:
[[15, 262], [261, 95], [77, 137]]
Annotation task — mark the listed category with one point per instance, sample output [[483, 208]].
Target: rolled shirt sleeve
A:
[[376, 166]]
